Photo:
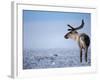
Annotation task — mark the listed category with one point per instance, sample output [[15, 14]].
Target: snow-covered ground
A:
[[53, 58]]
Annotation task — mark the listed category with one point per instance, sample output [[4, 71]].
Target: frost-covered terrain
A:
[[53, 58]]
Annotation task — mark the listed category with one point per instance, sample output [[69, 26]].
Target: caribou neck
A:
[[76, 37]]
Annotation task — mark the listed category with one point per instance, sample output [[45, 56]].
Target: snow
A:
[[53, 58]]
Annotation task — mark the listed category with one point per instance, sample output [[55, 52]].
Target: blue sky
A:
[[45, 29]]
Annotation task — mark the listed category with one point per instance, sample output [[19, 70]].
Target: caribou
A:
[[82, 39]]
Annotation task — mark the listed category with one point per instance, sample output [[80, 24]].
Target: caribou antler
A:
[[72, 29], [81, 26]]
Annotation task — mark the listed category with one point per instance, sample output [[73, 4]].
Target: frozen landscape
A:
[[53, 58], [44, 42]]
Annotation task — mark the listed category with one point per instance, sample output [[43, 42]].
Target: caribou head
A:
[[73, 34]]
